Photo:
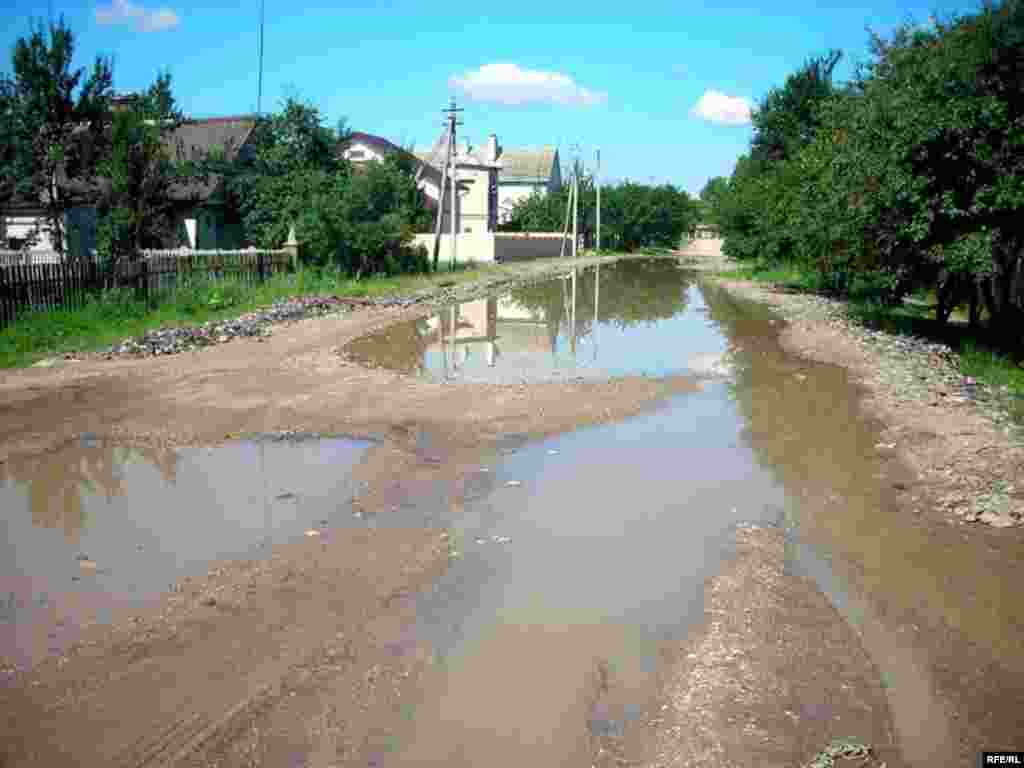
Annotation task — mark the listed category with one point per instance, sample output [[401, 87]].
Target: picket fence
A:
[[38, 282]]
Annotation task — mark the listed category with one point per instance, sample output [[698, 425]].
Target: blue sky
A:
[[660, 87]]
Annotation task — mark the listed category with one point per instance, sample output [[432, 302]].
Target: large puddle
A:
[[625, 318], [580, 555], [94, 525], [577, 556]]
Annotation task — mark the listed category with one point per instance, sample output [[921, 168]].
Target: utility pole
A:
[[565, 227], [455, 203], [259, 81], [597, 181], [451, 122]]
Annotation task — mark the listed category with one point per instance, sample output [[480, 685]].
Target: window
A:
[[356, 154]]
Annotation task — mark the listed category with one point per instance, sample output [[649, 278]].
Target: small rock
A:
[[997, 520], [209, 602]]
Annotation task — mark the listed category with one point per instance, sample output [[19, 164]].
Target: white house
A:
[[523, 172]]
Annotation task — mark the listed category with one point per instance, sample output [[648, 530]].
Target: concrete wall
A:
[[498, 246], [473, 246], [512, 246]]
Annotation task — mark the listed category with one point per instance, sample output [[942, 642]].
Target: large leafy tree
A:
[[633, 215], [360, 222], [711, 198], [139, 171], [787, 118], [56, 123]]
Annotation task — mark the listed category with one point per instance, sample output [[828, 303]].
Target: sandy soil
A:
[[773, 675]]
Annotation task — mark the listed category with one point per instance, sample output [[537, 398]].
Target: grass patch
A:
[[116, 315], [991, 366], [787, 276]]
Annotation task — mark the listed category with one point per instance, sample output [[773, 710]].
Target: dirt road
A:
[[303, 658]]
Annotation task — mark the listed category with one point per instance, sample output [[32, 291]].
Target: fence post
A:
[[291, 246], [143, 278]]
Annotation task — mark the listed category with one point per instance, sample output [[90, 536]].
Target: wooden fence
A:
[[45, 286]]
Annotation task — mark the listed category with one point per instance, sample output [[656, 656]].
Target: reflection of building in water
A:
[[464, 331], [525, 329], [518, 327]]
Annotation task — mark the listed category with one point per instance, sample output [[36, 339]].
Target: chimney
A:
[[492, 148]]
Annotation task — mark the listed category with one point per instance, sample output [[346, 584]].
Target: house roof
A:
[[368, 138], [523, 164], [197, 138], [467, 154]]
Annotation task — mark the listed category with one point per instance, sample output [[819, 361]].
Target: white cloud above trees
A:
[[507, 83], [144, 19], [717, 107]]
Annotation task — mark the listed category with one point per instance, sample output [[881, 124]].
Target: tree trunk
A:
[[974, 320], [945, 294]]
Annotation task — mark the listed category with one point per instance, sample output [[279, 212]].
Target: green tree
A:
[[787, 118], [360, 222], [57, 124], [139, 171], [711, 198], [633, 215]]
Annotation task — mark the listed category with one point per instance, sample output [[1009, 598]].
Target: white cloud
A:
[[716, 107], [145, 20], [507, 83]]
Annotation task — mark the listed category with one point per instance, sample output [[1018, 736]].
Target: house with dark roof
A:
[[199, 208], [492, 178], [526, 171]]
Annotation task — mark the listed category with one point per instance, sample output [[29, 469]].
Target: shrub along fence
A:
[[39, 284]]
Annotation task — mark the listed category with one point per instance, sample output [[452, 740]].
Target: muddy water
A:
[[94, 525], [939, 614], [578, 556], [625, 318]]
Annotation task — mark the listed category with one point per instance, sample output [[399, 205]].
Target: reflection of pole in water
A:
[[597, 285], [444, 345], [573, 313], [451, 337]]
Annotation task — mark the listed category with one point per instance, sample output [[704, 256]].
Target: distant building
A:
[[202, 220], [477, 207], [524, 172], [359, 148], [492, 178]]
